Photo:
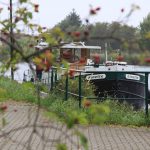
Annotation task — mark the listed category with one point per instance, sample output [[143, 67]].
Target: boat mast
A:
[[106, 52]]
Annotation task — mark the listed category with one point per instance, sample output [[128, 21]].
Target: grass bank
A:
[[118, 114]]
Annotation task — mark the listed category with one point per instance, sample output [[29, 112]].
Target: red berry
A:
[[87, 20], [36, 8], [119, 58], [82, 60], [77, 34], [69, 33], [86, 33], [96, 59], [92, 11], [17, 19], [122, 10], [3, 107], [147, 60], [30, 45], [97, 8], [87, 103], [71, 72]]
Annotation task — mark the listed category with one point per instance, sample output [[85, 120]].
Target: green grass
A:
[[15, 91], [123, 114], [120, 114]]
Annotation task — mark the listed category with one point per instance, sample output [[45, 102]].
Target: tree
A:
[[123, 33], [145, 32], [71, 22]]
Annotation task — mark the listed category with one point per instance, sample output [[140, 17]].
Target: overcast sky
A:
[[53, 11]]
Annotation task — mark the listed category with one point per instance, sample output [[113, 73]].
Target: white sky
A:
[[53, 11]]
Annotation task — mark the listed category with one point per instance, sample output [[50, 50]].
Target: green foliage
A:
[[73, 86], [26, 42], [73, 117], [123, 114], [98, 114], [53, 36], [144, 31], [61, 147], [108, 112], [4, 122], [3, 93], [20, 92], [72, 20], [23, 1], [113, 34], [83, 140]]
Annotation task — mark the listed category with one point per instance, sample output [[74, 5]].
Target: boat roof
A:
[[41, 45], [78, 45], [72, 45]]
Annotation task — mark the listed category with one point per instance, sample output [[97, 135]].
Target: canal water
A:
[[24, 69]]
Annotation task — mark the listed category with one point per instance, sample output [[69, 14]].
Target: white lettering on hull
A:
[[132, 77], [96, 76]]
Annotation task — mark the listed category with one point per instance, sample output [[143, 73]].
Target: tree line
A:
[[135, 39]]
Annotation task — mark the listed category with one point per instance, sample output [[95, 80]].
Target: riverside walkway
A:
[[28, 129]]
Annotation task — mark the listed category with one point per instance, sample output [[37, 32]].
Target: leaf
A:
[[40, 29], [25, 20], [73, 117], [23, 1], [61, 147], [30, 15], [4, 122], [98, 113], [83, 140], [147, 35]]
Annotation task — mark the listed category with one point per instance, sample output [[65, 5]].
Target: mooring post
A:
[[52, 76], [146, 94], [80, 90], [66, 87]]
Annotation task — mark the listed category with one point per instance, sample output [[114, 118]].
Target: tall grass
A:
[[16, 91], [120, 113], [124, 114]]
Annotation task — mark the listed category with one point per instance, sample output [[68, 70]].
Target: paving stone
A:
[[25, 130]]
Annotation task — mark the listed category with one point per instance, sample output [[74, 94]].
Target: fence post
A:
[[55, 75], [24, 77], [80, 90], [146, 94], [48, 78], [52, 79], [66, 87]]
